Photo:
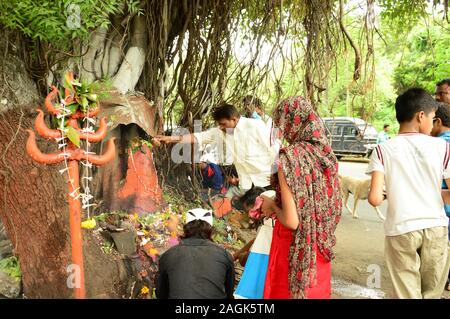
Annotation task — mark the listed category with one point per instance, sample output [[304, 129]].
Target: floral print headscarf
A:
[[311, 171]]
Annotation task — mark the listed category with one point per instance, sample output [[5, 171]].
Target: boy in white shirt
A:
[[412, 166]]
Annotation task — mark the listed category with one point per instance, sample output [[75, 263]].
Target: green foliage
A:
[[400, 15], [115, 214], [219, 223], [80, 95], [101, 217], [77, 96], [59, 22], [57, 122], [11, 267], [425, 59], [73, 136], [177, 202], [219, 238], [260, 22], [107, 247], [136, 143], [147, 221]]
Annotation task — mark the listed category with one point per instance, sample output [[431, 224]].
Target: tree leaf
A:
[[66, 82], [92, 97], [84, 102], [73, 136], [72, 107]]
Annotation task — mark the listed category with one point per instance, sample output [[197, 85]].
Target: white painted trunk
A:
[[130, 70]]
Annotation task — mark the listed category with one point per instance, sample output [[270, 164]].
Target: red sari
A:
[[276, 285]]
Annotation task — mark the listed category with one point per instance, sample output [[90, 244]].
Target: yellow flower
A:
[[153, 252], [134, 217], [145, 290], [88, 224]]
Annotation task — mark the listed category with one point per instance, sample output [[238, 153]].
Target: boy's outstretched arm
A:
[[376, 189]]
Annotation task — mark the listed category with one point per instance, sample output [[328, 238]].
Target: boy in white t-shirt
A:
[[412, 166]]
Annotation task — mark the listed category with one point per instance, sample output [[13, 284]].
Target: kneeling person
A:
[[197, 268]]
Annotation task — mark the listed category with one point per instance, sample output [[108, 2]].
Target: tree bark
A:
[[91, 62], [132, 65], [34, 210]]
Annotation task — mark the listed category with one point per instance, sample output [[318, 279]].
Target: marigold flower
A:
[[88, 224], [145, 290]]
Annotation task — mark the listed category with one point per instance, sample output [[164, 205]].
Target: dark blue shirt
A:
[[445, 136], [213, 177]]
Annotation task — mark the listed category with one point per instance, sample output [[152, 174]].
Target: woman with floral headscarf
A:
[[307, 206]]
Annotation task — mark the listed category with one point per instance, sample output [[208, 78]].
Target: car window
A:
[[368, 131], [336, 130], [350, 131]]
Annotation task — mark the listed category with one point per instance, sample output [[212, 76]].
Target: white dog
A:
[[360, 190]]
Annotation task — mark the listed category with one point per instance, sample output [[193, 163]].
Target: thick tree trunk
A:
[[92, 61], [130, 70], [34, 210]]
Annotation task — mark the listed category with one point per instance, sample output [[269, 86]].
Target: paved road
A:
[[359, 248]]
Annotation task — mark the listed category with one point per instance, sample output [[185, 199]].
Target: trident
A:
[[73, 155]]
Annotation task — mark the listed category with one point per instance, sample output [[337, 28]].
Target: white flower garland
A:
[[63, 113], [86, 196]]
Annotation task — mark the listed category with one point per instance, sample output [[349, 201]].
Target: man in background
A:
[[383, 136], [442, 93], [250, 103]]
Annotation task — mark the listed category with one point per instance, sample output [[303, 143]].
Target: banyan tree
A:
[[162, 62]]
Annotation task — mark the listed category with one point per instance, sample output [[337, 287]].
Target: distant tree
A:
[[425, 60]]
